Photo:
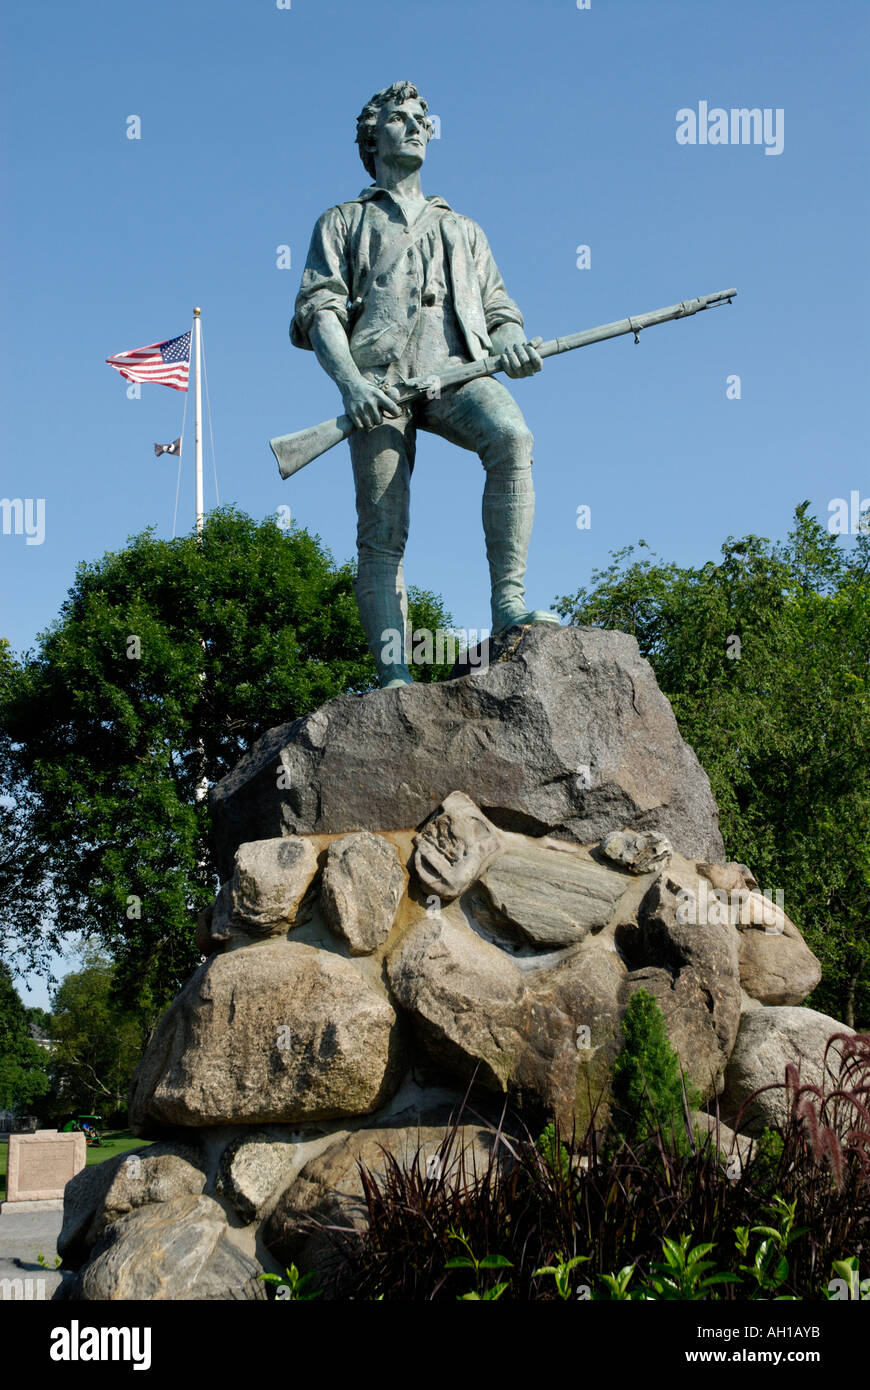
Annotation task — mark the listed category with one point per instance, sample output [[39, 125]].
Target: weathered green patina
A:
[[398, 285]]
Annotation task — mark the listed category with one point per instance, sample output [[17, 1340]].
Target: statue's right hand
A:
[[365, 404]]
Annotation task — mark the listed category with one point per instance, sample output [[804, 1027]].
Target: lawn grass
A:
[[115, 1141]]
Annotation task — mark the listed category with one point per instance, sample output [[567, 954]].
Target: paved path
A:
[[23, 1236]]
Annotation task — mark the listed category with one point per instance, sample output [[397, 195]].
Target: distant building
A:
[[40, 1037]]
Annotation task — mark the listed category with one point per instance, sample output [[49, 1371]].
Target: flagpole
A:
[[197, 396], [201, 791]]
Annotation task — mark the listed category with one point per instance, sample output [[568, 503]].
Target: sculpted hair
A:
[[368, 119]]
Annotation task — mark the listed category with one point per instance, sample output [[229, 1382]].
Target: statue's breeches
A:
[[481, 416]]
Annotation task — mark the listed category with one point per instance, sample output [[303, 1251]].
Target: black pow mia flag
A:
[[173, 448]]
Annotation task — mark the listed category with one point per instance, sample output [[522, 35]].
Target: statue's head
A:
[[377, 111]]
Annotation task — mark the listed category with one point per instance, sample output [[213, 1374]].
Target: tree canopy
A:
[[764, 657], [23, 1063], [26, 936], [97, 1043], [167, 661]]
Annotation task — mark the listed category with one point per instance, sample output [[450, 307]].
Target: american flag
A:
[[165, 364]]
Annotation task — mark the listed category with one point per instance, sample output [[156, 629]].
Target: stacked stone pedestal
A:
[[428, 890]]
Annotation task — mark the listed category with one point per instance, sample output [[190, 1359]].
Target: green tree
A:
[[764, 658], [96, 1041], [168, 659], [39, 1018], [647, 1081], [26, 937], [23, 1071]]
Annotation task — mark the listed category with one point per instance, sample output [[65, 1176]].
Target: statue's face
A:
[[401, 134]]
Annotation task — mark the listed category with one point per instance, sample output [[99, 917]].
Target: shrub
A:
[[650, 1092], [553, 1218]]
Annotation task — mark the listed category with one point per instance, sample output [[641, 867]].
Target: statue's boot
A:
[[508, 511], [383, 607]]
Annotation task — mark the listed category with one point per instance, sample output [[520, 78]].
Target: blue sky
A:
[[558, 129]]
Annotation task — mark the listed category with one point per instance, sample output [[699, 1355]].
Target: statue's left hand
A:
[[521, 359]]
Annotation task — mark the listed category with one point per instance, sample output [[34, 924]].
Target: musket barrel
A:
[[471, 371], [294, 451], [634, 324]]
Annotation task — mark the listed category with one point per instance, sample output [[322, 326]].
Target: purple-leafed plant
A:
[[586, 1208]]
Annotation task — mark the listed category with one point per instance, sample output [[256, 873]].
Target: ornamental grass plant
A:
[[602, 1216]]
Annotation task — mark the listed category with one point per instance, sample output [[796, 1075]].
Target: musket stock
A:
[[294, 451]]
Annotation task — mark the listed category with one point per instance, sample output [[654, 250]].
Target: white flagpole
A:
[[202, 786], [197, 398]]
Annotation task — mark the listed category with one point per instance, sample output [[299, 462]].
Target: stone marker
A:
[[40, 1166]]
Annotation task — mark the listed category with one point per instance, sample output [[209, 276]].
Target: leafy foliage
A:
[[23, 1064], [24, 887], [291, 1286], [168, 659], [647, 1083], [554, 1153], [770, 1265], [97, 1042], [673, 1221], [764, 658], [683, 1274], [767, 1158], [561, 1272], [484, 1291]]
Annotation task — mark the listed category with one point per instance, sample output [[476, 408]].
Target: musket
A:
[[294, 451]]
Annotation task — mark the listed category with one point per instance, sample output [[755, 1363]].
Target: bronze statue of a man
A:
[[399, 285]]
